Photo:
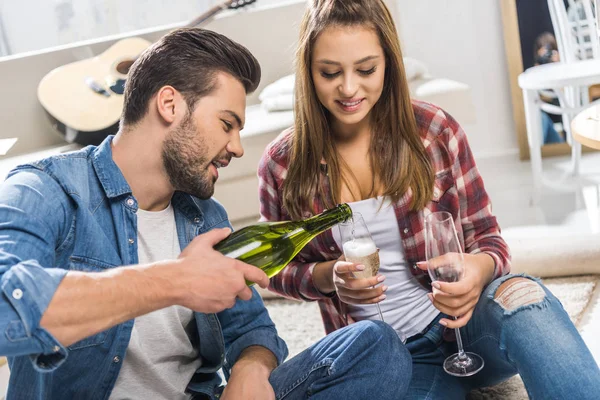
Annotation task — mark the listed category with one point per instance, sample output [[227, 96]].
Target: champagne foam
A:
[[359, 248], [361, 251]]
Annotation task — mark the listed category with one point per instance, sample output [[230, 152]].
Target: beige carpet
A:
[[574, 293], [299, 324]]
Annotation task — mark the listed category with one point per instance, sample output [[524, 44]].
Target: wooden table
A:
[[585, 127]]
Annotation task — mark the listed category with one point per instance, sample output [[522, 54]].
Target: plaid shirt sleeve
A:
[[295, 281], [480, 228]]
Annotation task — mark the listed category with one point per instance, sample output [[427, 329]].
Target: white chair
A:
[[596, 5], [577, 39], [569, 79], [575, 29]]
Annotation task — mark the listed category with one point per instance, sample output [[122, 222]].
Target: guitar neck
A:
[[209, 14], [224, 5]]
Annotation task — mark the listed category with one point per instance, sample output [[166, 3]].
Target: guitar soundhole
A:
[[124, 66]]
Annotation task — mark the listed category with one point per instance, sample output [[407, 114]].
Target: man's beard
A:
[[185, 160]]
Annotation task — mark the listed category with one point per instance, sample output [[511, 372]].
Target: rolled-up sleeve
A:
[[33, 219]]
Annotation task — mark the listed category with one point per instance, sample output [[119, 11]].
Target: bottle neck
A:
[[327, 219]]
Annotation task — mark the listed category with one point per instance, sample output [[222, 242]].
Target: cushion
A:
[[414, 68], [281, 102], [281, 86]]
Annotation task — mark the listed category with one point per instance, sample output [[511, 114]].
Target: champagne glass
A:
[[445, 263], [359, 248]]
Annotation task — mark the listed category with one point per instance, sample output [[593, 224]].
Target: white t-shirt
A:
[[406, 307], [162, 355]]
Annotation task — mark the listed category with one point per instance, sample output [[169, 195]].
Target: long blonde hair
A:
[[401, 161]]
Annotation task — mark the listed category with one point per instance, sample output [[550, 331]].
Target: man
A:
[[111, 286]]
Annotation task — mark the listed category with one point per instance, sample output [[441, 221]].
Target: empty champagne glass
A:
[[359, 248], [445, 263]]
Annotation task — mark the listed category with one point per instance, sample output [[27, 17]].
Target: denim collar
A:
[[188, 205], [110, 176]]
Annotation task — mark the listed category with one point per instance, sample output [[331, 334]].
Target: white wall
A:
[[61, 22], [463, 40]]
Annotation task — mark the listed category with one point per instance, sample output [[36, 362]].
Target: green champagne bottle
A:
[[270, 246]]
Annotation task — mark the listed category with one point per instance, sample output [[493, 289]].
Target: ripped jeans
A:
[[522, 329]]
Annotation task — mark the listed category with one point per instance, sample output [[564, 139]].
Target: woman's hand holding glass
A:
[[446, 268], [352, 289], [459, 298], [360, 250]]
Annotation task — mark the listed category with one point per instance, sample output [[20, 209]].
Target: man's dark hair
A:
[[187, 59]]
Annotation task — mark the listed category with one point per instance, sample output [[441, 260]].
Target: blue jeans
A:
[[550, 134], [365, 360], [537, 340]]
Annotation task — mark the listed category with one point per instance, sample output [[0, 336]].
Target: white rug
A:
[[299, 324]]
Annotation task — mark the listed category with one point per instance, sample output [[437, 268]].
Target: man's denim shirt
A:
[[76, 212]]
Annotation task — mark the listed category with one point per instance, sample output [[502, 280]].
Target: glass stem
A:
[[461, 351], [378, 309], [380, 314]]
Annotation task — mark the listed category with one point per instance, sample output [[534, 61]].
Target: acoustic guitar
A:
[[84, 99]]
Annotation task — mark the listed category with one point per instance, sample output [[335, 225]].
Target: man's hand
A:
[[458, 299], [352, 290], [207, 281], [250, 376]]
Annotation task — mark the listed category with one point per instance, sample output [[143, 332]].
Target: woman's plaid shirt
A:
[[458, 189]]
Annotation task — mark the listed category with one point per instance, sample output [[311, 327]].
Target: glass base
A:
[[466, 365]]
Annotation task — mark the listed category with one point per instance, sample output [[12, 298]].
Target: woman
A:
[[359, 139]]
